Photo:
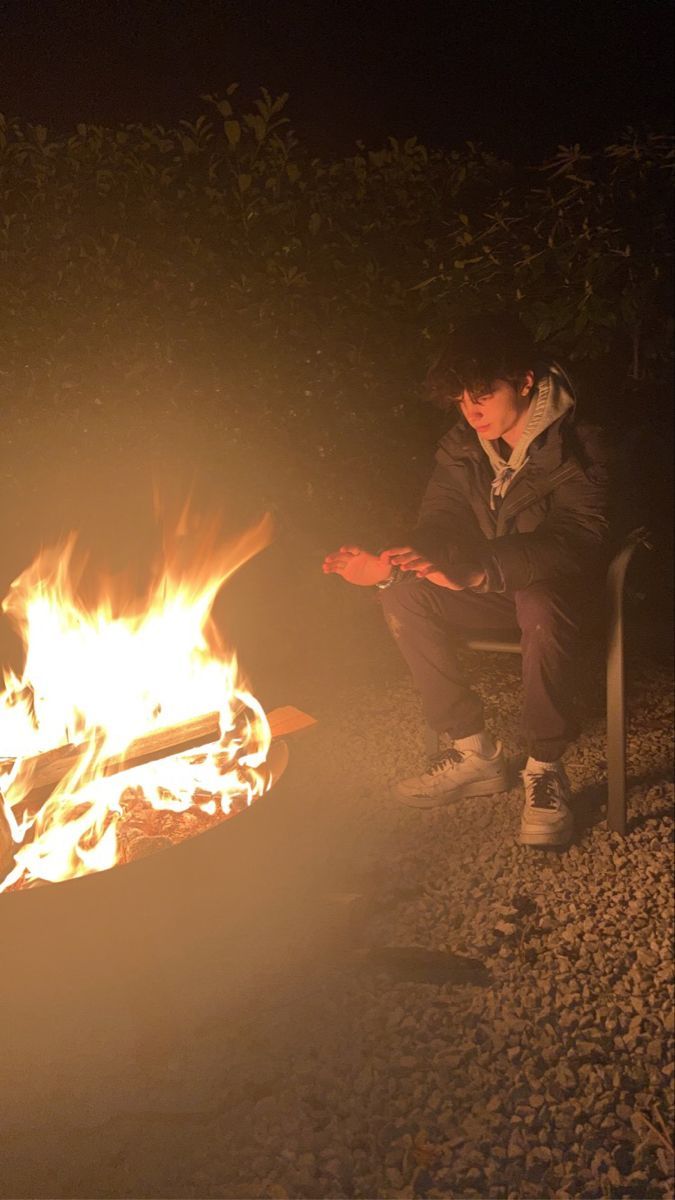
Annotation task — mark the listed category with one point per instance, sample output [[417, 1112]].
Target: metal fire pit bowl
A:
[[94, 968]]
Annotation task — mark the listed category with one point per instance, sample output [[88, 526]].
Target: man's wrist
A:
[[392, 578]]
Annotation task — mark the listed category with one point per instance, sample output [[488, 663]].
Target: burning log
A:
[[49, 768], [52, 766]]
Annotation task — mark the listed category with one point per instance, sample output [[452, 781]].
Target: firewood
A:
[[288, 719], [51, 766]]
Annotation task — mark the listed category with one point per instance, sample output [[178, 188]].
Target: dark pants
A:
[[423, 619]]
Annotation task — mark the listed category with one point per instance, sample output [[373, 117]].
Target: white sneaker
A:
[[546, 819], [451, 775]]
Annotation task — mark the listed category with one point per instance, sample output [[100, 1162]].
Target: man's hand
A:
[[357, 566], [458, 577]]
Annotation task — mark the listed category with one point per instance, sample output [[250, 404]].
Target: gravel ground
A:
[[465, 1017]]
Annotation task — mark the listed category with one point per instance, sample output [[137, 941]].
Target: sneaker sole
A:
[[481, 787], [543, 837]]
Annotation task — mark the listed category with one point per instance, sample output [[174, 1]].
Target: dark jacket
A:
[[550, 525]]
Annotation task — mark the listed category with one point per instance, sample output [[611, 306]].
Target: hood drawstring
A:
[[500, 483]]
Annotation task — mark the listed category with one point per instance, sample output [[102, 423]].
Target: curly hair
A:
[[480, 350]]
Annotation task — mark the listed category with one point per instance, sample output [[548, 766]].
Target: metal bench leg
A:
[[616, 685], [616, 725]]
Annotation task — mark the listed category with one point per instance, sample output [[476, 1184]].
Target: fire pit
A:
[[129, 731], [130, 727], [98, 969]]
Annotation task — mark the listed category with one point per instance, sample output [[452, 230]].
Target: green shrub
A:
[[228, 221]]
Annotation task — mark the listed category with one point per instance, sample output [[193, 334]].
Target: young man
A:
[[510, 535]]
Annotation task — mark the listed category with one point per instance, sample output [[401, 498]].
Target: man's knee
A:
[[406, 595], [544, 609], [406, 602]]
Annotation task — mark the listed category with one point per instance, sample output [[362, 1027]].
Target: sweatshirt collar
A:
[[551, 397]]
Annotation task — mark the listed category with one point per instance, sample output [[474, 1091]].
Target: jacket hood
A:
[[551, 399]]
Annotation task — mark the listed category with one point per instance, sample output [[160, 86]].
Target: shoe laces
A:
[[445, 758], [545, 791]]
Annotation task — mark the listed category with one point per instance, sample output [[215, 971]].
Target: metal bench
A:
[[616, 687]]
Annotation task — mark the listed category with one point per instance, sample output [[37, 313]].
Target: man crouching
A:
[[510, 536]]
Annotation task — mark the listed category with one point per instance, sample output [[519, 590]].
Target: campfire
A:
[[130, 727]]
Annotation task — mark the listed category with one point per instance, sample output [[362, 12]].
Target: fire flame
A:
[[100, 676]]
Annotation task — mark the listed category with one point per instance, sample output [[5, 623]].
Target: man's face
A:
[[501, 412]]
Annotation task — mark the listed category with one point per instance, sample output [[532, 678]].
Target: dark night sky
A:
[[520, 76]]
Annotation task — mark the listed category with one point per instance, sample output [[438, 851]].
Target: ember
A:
[[106, 688]]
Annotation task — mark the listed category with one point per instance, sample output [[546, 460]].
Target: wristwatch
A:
[[396, 574]]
